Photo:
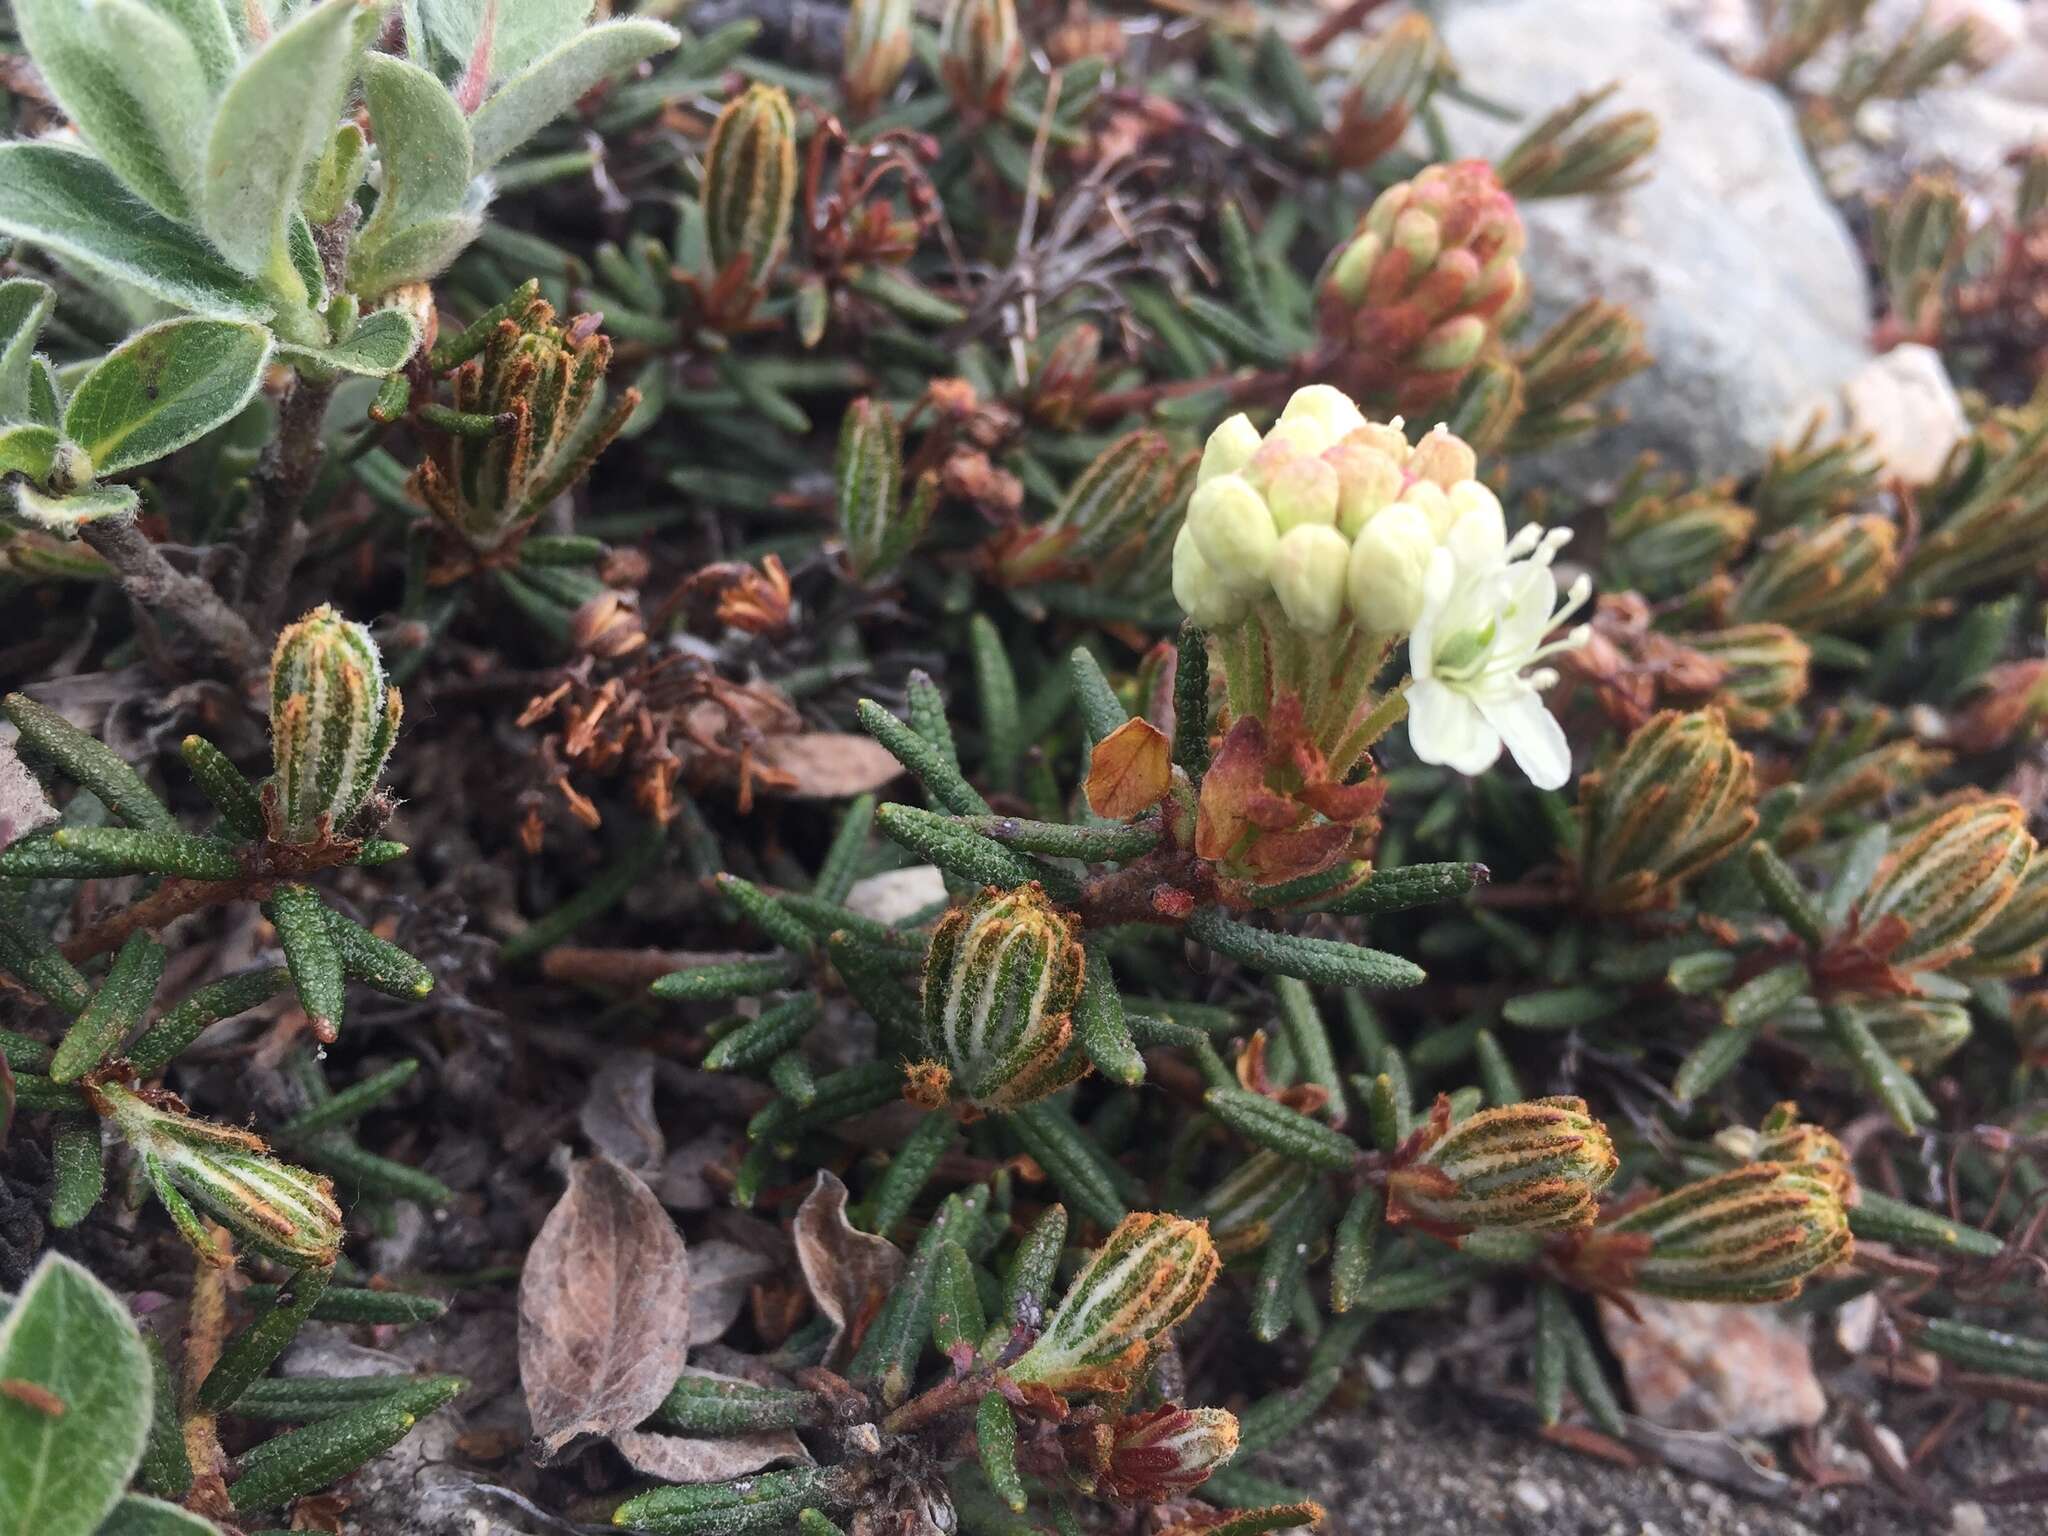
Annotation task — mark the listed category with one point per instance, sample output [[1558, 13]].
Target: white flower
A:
[[1487, 606]]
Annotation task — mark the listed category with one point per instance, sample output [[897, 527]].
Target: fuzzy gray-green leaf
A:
[[539, 94], [163, 388]]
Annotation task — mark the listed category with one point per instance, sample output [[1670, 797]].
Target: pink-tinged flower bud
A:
[[1147, 1457], [1234, 531], [1389, 560], [1949, 880], [1308, 574], [1140, 1283], [1528, 1167], [1443, 458], [1001, 979], [1421, 289], [1300, 488], [1367, 481]]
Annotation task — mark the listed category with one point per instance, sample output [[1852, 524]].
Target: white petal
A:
[[1446, 727], [1478, 535], [1532, 735], [1530, 590], [1437, 582]]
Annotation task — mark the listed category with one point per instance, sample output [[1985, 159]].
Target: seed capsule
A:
[[1528, 1167], [1142, 1281], [1000, 982], [332, 722], [1752, 1234]]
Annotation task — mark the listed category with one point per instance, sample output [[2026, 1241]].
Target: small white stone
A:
[[896, 894], [1530, 1496], [1968, 1519]]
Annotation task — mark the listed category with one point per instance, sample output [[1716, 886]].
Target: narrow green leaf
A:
[[995, 1440], [86, 852], [311, 953], [956, 1305], [78, 1170], [1099, 1022], [1063, 840], [767, 1501], [1879, 1069], [710, 1405], [115, 1009], [1101, 710], [1070, 1161], [376, 963], [996, 688], [1351, 1253], [352, 1103], [933, 766], [1562, 1008], [119, 788], [163, 1040], [1288, 1132], [1325, 962], [306, 1460], [166, 1468], [252, 1351], [222, 782], [305, 1399], [24, 305], [733, 978], [1547, 1358], [360, 1304], [1411, 885], [761, 1040], [909, 1170]]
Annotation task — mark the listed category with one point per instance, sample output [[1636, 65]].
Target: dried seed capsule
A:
[[1766, 670], [980, 54], [332, 721], [877, 48], [1679, 797], [1161, 1453], [280, 1211], [1000, 982], [1141, 1282], [1823, 579], [750, 183], [1527, 1167], [1752, 1234], [1949, 880]]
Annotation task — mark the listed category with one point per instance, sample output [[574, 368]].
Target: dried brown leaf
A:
[[721, 1275], [686, 1459], [604, 1308], [618, 1113], [827, 765], [1131, 770], [23, 806], [849, 1271]]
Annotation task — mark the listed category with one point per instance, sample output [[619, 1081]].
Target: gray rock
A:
[[1749, 287]]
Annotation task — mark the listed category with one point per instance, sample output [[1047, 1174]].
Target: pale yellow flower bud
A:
[[1328, 407], [1367, 480], [1234, 531], [1201, 596], [1229, 449], [1388, 560], [1308, 574]]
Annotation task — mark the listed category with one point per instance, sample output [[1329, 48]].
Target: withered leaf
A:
[[688, 1459], [721, 1275], [23, 806], [1130, 771], [828, 765], [604, 1308], [618, 1113], [849, 1271]]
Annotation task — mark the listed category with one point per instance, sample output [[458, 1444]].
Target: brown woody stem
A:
[[284, 477], [153, 583]]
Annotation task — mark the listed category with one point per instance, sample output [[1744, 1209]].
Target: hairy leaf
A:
[[163, 388], [77, 1405], [535, 97]]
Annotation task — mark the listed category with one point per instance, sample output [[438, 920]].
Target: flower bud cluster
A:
[[332, 722], [1146, 1277], [1949, 880], [1678, 798], [1752, 1234], [1332, 516], [1422, 287], [1531, 1167]]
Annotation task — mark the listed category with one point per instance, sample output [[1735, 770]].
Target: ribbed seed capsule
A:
[[2013, 942], [1537, 1166], [1142, 1281], [877, 49], [1000, 982], [1242, 1209], [1783, 1139], [1679, 797], [980, 53], [1158, 1454], [878, 526], [750, 182], [332, 722], [1949, 880], [1820, 580], [1767, 670], [280, 1211], [1752, 1234], [1918, 1033]]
